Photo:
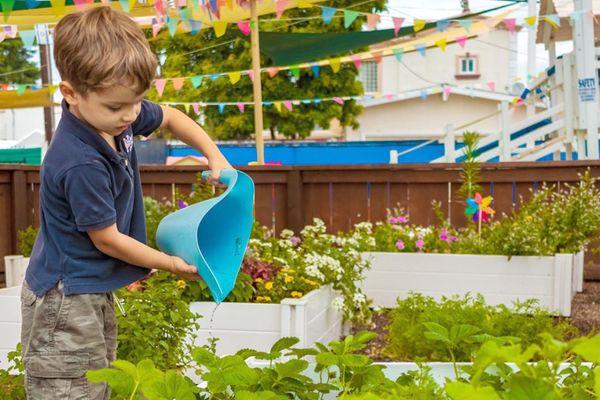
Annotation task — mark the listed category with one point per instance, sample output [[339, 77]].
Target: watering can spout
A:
[[213, 234]]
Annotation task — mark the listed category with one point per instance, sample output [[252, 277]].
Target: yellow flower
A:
[[259, 280], [269, 285], [529, 218], [181, 284], [296, 294], [267, 299], [289, 279], [263, 299]]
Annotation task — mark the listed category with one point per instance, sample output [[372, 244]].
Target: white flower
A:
[[359, 298], [286, 234], [338, 303]]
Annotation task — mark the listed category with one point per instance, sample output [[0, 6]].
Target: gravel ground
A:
[[585, 315]]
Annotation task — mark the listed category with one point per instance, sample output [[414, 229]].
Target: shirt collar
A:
[[88, 134]]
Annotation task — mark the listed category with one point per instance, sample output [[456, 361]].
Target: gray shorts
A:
[[62, 338]]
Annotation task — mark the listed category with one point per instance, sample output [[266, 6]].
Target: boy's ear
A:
[[68, 93]]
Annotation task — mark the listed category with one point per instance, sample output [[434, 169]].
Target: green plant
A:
[[158, 322], [470, 174], [26, 240], [499, 371], [12, 380], [458, 324]]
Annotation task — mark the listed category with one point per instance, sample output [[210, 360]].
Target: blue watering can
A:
[[213, 234]]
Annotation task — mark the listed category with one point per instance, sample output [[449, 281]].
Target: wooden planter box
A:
[[257, 326], [551, 280]]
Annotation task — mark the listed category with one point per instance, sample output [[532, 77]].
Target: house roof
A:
[[431, 90]]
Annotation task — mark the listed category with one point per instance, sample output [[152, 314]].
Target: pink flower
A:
[[444, 235], [398, 220], [453, 238], [420, 243], [295, 240], [400, 245]]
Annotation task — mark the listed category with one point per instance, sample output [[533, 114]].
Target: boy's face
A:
[[109, 110]]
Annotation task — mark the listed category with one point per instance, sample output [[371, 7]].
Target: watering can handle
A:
[[226, 175]]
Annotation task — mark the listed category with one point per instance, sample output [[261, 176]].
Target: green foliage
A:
[[158, 322], [12, 380], [456, 326], [337, 369], [26, 240], [15, 57], [204, 53], [470, 174]]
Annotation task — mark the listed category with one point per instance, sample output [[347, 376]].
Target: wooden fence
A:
[[290, 197]]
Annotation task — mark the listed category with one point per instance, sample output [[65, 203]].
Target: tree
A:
[[204, 53], [15, 57]]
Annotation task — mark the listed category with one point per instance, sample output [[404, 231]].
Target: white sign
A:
[[587, 89]]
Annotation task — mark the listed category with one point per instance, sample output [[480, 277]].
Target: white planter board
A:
[[14, 269], [257, 326], [498, 279]]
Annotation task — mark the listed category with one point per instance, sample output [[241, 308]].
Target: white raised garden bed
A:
[[257, 326], [14, 269], [551, 280], [238, 325]]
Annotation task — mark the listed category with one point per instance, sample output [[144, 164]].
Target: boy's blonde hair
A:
[[102, 47]]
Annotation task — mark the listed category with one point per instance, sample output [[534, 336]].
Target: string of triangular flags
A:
[[289, 105]]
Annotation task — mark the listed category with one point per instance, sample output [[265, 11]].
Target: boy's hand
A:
[[216, 165], [183, 269]]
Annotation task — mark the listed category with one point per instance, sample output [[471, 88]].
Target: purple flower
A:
[[453, 238], [444, 235], [400, 245], [420, 243], [295, 240], [181, 204]]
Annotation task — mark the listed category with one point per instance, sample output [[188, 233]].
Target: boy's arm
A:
[[115, 244], [189, 132]]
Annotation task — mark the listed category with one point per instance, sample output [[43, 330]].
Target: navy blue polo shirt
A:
[[86, 185]]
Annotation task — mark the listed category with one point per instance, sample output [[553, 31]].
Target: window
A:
[[467, 66], [368, 76]]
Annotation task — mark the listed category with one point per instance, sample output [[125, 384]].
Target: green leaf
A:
[[459, 333], [263, 395], [464, 391], [354, 360], [327, 359], [589, 349], [283, 344], [300, 353], [172, 386], [597, 381], [291, 368], [204, 357], [436, 332], [126, 367], [120, 383], [525, 388]]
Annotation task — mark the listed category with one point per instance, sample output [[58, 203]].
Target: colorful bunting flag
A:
[[241, 107], [334, 63], [423, 95], [373, 20], [195, 26], [441, 43], [295, 72], [510, 24], [315, 69], [160, 86], [462, 41], [530, 21], [398, 53], [214, 77], [221, 107], [280, 7], [277, 106], [442, 25], [220, 28], [421, 48], [397, 24], [553, 20], [234, 77], [196, 81], [21, 89], [172, 24], [327, 13], [338, 100], [492, 86], [377, 55], [28, 37], [178, 83], [357, 60], [196, 108], [419, 24], [466, 24], [272, 71], [288, 105], [349, 17], [244, 27]]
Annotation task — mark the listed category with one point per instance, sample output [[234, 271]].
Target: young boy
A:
[[92, 228]]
